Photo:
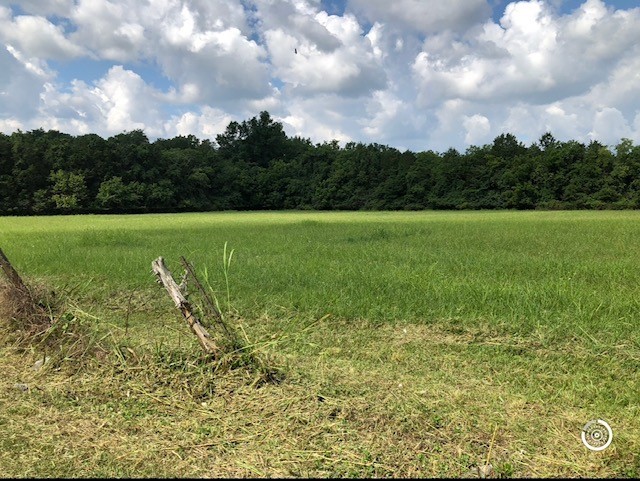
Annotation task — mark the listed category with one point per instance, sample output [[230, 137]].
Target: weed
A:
[[237, 350], [226, 264]]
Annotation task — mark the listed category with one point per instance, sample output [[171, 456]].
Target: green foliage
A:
[[254, 165], [115, 195], [69, 190]]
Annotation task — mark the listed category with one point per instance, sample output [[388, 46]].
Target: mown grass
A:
[[415, 344]]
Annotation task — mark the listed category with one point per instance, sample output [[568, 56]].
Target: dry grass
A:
[[359, 410], [24, 311], [43, 322]]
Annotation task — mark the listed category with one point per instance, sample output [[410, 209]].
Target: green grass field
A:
[[414, 344]]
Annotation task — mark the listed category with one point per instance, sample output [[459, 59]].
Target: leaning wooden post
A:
[[13, 275], [165, 277], [16, 281]]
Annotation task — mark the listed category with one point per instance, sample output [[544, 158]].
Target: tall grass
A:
[[520, 271]]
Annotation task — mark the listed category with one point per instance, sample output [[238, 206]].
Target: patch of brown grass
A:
[[42, 321], [27, 313]]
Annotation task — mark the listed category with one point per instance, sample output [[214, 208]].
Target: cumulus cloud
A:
[[544, 69], [529, 122], [330, 117], [313, 52], [424, 17], [111, 30], [35, 36], [202, 47], [217, 66], [408, 73], [205, 124], [43, 7], [532, 54], [21, 82], [477, 127], [609, 126], [118, 102]]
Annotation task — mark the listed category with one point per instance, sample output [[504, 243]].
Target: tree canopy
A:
[[254, 165]]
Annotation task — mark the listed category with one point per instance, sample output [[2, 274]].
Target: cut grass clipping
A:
[[62, 331], [19, 304]]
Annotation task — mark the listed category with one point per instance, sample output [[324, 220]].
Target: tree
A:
[[7, 184], [131, 156], [254, 165], [586, 176], [258, 141], [69, 190], [507, 147], [118, 196], [625, 175]]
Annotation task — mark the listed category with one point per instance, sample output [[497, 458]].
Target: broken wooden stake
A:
[[32, 316], [20, 289], [166, 279], [13, 276]]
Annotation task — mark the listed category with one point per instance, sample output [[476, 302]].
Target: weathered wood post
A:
[[166, 279], [13, 276], [24, 307]]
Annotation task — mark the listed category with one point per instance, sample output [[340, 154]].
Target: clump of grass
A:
[[238, 351], [27, 313], [46, 323]]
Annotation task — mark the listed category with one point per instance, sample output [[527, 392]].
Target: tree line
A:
[[254, 165]]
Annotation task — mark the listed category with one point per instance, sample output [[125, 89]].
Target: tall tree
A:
[[258, 141]]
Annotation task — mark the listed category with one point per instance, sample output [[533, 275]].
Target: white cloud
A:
[[313, 52], [409, 73], [34, 65], [106, 29], [310, 71], [477, 127], [127, 100], [220, 66], [21, 82], [35, 36], [42, 7], [531, 55], [529, 122], [120, 101], [424, 16], [325, 118], [201, 46], [536, 70], [7, 126], [384, 108], [206, 124], [609, 126]]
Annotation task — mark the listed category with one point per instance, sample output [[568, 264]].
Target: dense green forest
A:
[[254, 165]]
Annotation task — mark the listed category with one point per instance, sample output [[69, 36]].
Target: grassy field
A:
[[413, 343]]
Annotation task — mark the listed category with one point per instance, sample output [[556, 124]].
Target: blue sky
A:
[[413, 74]]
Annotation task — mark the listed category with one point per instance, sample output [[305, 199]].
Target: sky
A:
[[411, 74]]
